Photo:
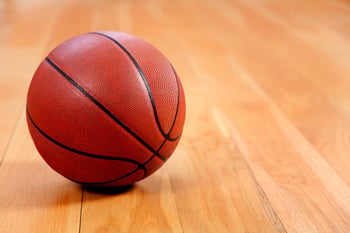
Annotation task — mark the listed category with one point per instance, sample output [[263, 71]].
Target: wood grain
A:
[[266, 141], [34, 198]]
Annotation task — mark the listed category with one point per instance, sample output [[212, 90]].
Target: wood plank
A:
[[265, 145], [216, 190], [304, 171], [309, 97], [286, 166], [34, 198], [148, 207]]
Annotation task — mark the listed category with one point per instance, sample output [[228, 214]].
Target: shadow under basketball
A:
[[108, 190]]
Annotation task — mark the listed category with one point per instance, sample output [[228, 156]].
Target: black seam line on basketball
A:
[[142, 76], [177, 106], [103, 108], [167, 136], [109, 181], [138, 168], [134, 171], [140, 165], [156, 154]]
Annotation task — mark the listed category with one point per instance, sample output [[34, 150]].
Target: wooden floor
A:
[[266, 144]]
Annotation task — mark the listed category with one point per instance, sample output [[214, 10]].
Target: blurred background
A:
[[266, 141]]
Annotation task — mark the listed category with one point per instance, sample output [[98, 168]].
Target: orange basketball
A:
[[105, 109]]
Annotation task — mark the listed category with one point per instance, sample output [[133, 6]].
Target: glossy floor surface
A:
[[266, 142]]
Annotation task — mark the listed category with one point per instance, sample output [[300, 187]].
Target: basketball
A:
[[105, 109]]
